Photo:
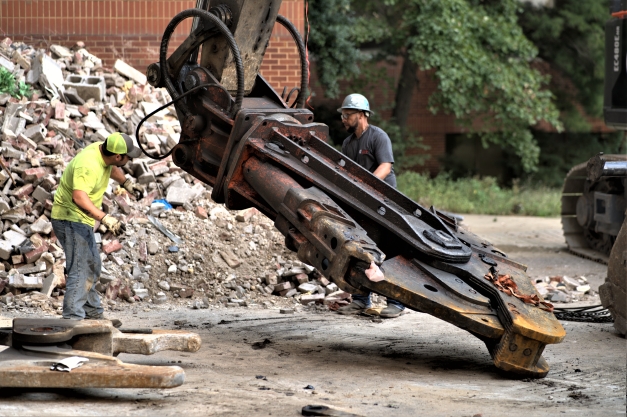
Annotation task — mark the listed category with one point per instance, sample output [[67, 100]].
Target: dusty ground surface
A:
[[413, 365]]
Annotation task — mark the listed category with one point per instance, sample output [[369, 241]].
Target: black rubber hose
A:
[[239, 66], [304, 67], [287, 98], [139, 143]]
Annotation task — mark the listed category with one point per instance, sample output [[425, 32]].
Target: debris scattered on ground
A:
[[564, 289], [179, 247]]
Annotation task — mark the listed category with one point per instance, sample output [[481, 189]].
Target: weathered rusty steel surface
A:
[[56, 330], [411, 285], [149, 344], [34, 348], [29, 367], [252, 24]]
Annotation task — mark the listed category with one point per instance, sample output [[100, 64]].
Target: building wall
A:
[[131, 30]]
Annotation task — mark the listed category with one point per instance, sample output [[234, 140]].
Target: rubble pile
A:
[[564, 289], [179, 245]]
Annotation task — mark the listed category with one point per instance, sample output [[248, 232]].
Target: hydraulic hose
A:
[[163, 107], [304, 67], [239, 66]]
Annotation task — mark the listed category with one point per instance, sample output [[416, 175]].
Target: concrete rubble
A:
[[223, 258], [564, 289]]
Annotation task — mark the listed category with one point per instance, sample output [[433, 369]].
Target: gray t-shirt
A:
[[371, 150]]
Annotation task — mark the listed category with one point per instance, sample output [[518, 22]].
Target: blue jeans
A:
[[82, 265], [365, 301]]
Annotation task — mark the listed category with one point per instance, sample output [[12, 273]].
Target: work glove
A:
[[114, 225], [137, 190]]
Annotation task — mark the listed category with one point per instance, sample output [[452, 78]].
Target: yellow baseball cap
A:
[[121, 143]]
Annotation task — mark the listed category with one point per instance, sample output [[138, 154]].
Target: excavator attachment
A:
[[257, 150]]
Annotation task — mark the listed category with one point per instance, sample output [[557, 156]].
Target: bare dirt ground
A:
[[256, 361]]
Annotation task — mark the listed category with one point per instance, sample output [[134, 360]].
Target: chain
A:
[[589, 314]]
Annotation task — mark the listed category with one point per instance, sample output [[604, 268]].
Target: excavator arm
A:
[[255, 150]]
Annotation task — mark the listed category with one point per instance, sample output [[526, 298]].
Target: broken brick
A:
[[111, 247], [283, 286], [24, 191], [201, 213], [34, 255]]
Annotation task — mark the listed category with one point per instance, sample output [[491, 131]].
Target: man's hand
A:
[[137, 190], [114, 225], [374, 273]]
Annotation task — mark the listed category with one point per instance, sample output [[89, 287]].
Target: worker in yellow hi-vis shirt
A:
[[76, 208]]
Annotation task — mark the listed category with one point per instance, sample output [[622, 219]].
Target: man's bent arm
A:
[[81, 199], [118, 175], [383, 170]]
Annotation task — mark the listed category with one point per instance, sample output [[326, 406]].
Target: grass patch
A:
[[479, 195]]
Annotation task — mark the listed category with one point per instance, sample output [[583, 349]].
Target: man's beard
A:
[[351, 129]]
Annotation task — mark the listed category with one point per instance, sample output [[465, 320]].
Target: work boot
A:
[[390, 312], [352, 308]]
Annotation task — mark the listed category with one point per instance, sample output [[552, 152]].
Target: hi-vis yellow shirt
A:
[[86, 172]]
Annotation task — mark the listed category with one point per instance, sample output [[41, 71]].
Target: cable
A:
[[139, 143], [239, 66], [590, 314], [287, 99], [304, 65]]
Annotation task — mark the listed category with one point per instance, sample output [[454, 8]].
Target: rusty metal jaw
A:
[[514, 332], [344, 220], [35, 344], [326, 237], [340, 218]]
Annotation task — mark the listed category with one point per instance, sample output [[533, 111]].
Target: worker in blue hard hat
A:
[[371, 148]]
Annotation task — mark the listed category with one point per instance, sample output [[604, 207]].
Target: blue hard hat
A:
[[357, 102]]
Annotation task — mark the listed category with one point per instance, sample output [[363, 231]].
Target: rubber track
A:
[[573, 232]]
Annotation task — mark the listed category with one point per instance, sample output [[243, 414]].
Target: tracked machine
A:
[[258, 150], [595, 192]]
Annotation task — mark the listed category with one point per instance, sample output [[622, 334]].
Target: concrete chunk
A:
[[306, 287], [5, 249], [32, 268], [49, 73], [49, 284], [14, 238], [91, 121], [42, 225], [6, 63], [60, 51], [306, 299], [177, 196], [41, 195], [89, 87], [129, 72], [25, 282]]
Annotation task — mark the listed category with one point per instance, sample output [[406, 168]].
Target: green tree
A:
[[474, 48], [570, 37], [330, 40]]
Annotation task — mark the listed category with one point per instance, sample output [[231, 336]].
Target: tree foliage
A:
[[477, 52], [570, 37], [331, 44]]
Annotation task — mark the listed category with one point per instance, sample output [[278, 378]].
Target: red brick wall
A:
[[131, 30]]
